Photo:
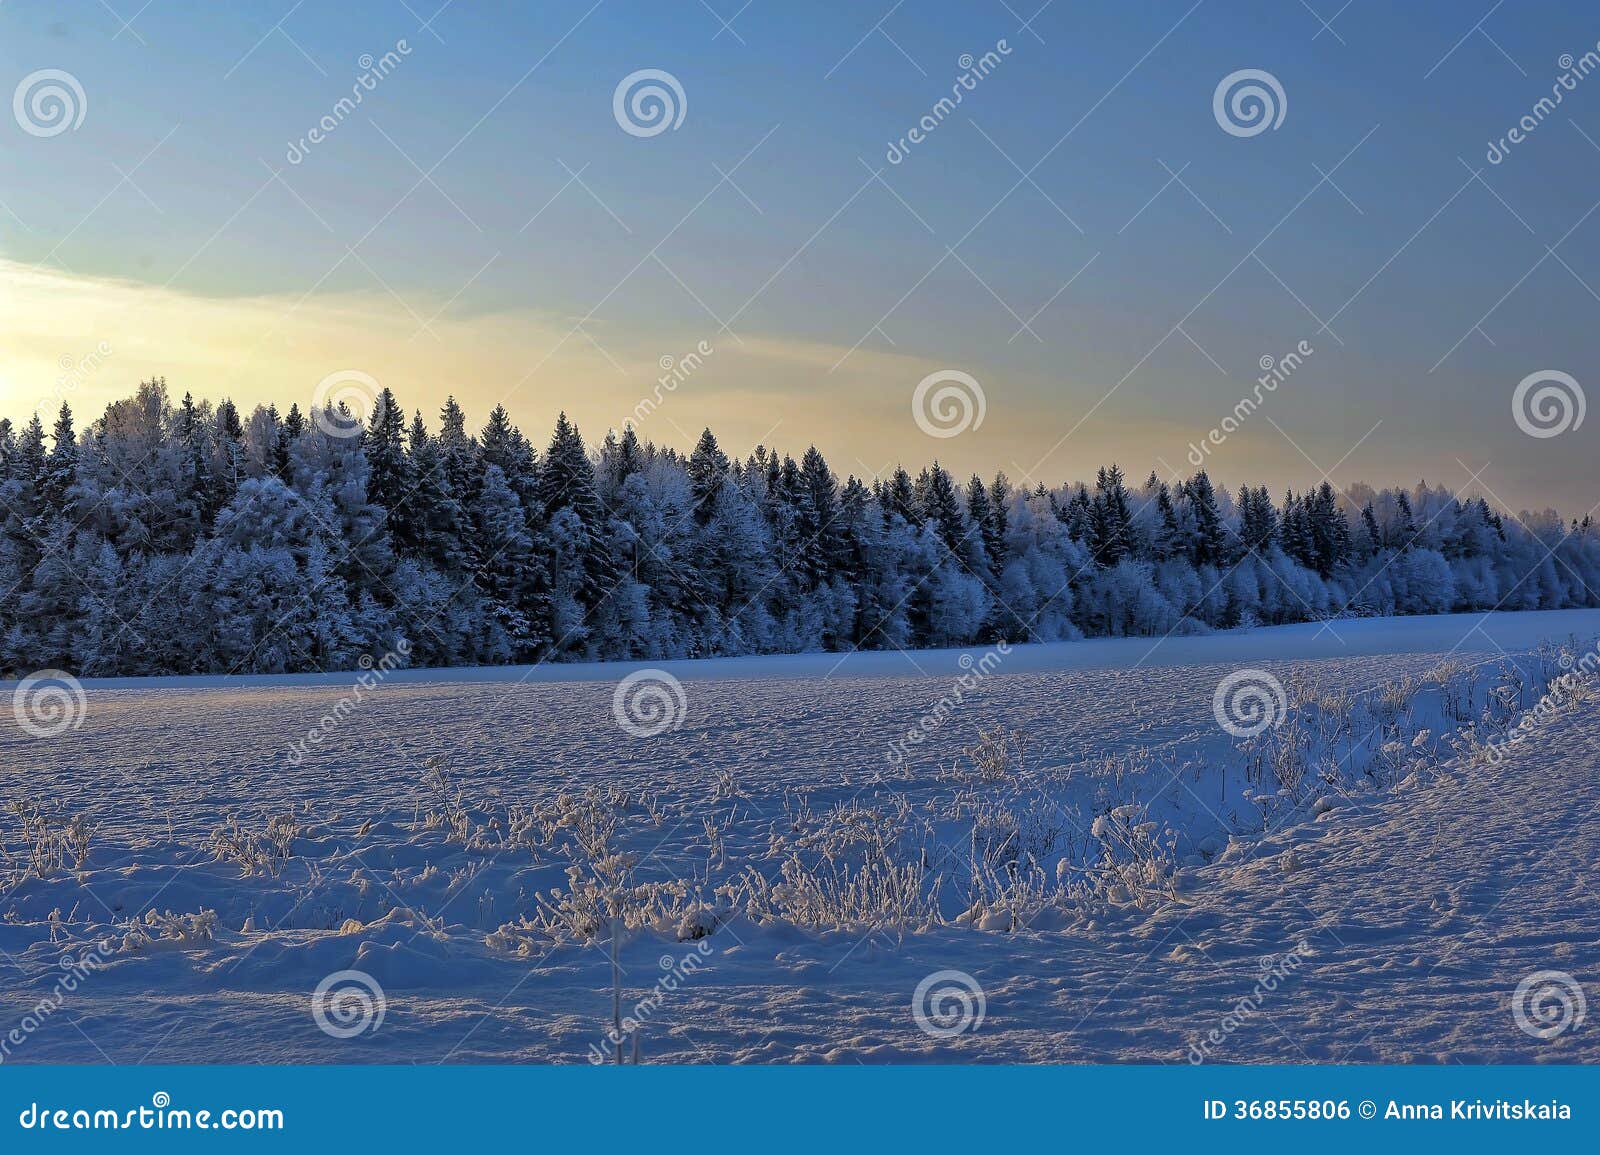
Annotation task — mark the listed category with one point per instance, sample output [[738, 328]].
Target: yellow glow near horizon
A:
[[90, 340]]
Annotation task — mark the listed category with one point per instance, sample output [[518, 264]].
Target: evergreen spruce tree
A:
[[942, 508], [1168, 539], [458, 451], [227, 465], [900, 498], [708, 465], [61, 471], [435, 527], [817, 514], [567, 482], [1405, 531], [1210, 539], [985, 522]]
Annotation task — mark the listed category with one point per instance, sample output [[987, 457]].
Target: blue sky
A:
[[556, 258]]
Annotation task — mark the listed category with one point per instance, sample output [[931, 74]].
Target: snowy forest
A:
[[184, 538]]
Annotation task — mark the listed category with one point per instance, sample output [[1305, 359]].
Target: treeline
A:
[[186, 538]]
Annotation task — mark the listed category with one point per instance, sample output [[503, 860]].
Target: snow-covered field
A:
[[1102, 868]]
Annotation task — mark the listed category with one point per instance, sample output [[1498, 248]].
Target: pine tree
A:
[[458, 451], [708, 465], [1078, 516], [435, 528], [194, 445], [1372, 541], [506, 574], [1329, 534], [294, 425], [61, 471], [1000, 493], [1110, 520], [1210, 541], [227, 467], [900, 498], [1168, 540], [817, 512], [985, 520], [1258, 521], [383, 441], [31, 469], [1405, 532], [942, 508], [1296, 532], [621, 457], [501, 444], [567, 482]]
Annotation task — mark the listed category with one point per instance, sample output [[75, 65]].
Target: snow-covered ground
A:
[[1104, 870]]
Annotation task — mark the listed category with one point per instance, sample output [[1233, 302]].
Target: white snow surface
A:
[[1425, 880]]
